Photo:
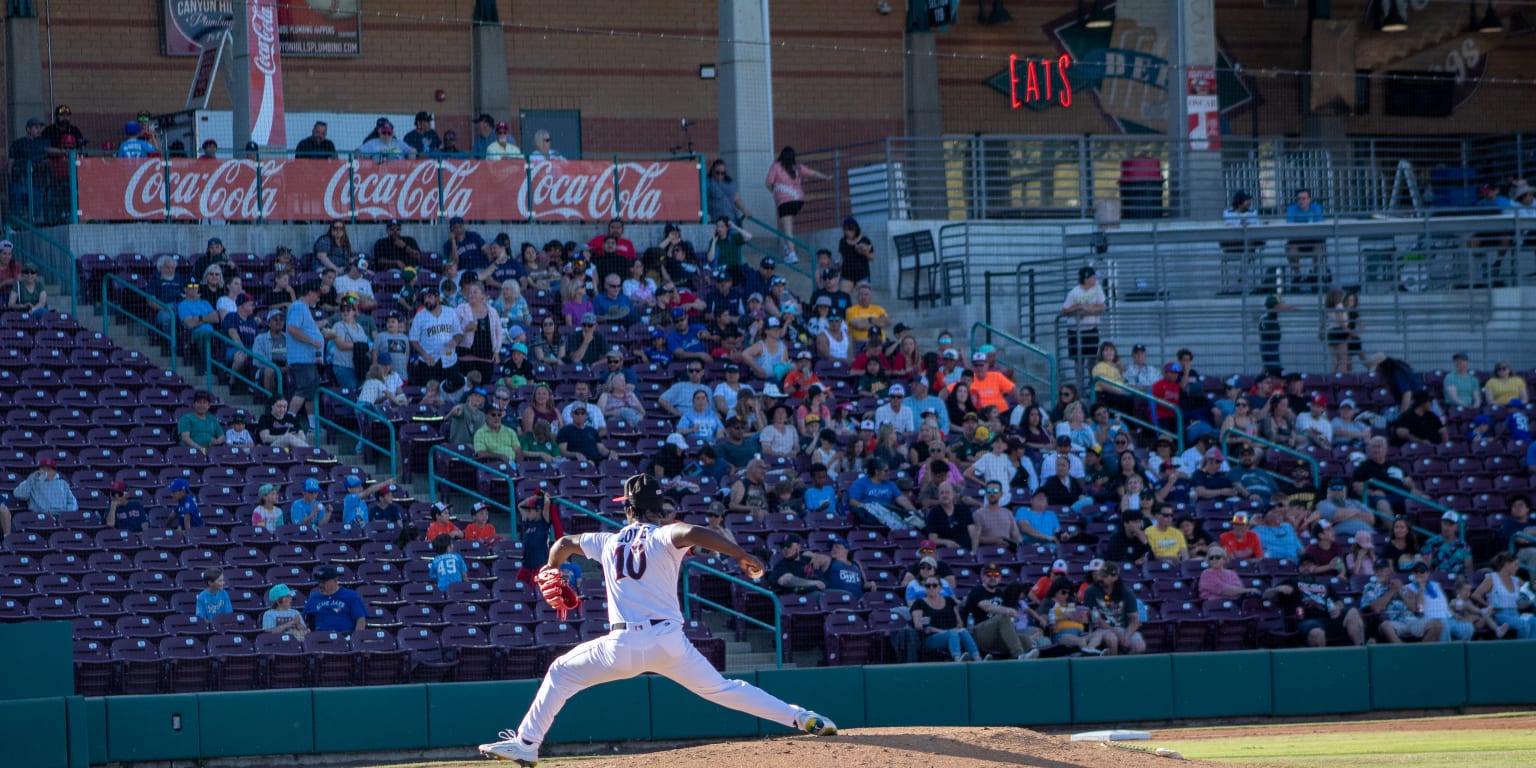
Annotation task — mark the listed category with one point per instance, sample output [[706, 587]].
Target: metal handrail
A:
[[1317, 475], [107, 307], [810, 251], [1515, 539], [689, 597], [1049, 382], [68, 262], [362, 412], [212, 362], [510, 507], [1365, 498], [1152, 403]]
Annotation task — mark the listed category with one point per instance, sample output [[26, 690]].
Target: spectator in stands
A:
[[238, 434], [395, 250], [384, 145], [701, 420], [1361, 559], [1248, 478], [502, 147], [1461, 387], [442, 522], [485, 133], [1115, 611], [1347, 432], [214, 599], [581, 399], [332, 607], [308, 509], [1169, 390], [464, 246], [1384, 595], [29, 175], [1064, 490], [282, 617], [1063, 454], [1313, 427], [62, 127], [1434, 605], [185, 514], [242, 327], [480, 528], [1517, 520], [45, 490], [124, 513], [587, 345], [1348, 516], [423, 139], [10, 269], [864, 315], [334, 248], [724, 197], [798, 572], [200, 429], [1218, 583], [434, 339], [267, 515], [354, 505], [1383, 472], [995, 525], [280, 427], [580, 438], [1447, 552], [305, 343], [1083, 307], [466, 418], [355, 283], [1402, 546], [1036, 523], [1399, 378], [1241, 543], [1277, 536], [1325, 557], [1305, 211], [1128, 543], [949, 523], [385, 507], [834, 343], [382, 386], [482, 336], [991, 618], [316, 145], [1420, 423], [1503, 591], [195, 314], [1323, 614], [1164, 538], [875, 499], [494, 442], [447, 567], [541, 407], [1504, 386]]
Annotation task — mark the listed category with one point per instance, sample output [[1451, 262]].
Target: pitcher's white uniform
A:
[[640, 570]]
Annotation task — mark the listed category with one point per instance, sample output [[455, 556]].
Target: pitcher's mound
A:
[[893, 747]]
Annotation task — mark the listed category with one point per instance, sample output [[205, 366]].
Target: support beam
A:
[[746, 100], [24, 77], [492, 92]]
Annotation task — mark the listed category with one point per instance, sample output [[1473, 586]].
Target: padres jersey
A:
[[640, 570]]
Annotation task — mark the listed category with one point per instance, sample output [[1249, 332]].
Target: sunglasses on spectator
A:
[[588, 325], [29, 271], [932, 585], [695, 370]]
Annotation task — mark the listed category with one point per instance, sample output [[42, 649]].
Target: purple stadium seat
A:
[[429, 664], [475, 655], [189, 667], [239, 665], [382, 660], [288, 663], [141, 668], [96, 671], [334, 661]]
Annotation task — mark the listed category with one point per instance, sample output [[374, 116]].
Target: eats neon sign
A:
[[1038, 83]]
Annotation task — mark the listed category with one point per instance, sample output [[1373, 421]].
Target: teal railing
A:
[[1365, 498], [1515, 540], [110, 308], [689, 598], [363, 413], [215, 362], [1317, 474], [435, 479], [1034, 357], [54, 260], [806, 268], [1152, 403]]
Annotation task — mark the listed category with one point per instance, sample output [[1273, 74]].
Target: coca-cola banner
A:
[[266, 75], [114, 189], [314, 28]]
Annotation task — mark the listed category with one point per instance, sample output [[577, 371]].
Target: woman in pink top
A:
[[785, 179], [1218, 583]]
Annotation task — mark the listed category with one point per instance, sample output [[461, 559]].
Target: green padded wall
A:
[[1418, 675], [34, 732], [96, 720], [613, 711], [1319, 681], [1020, 693], [36, 660], [1108, 689], [466, 714], [837, 692], [677, 713], [141, 728], [1222, 684], [370, 717], [916, 694], [1501, 673], [228, 722], [77, 718]]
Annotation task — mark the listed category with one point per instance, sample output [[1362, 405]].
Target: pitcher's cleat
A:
[[512, 747], [815, 725]]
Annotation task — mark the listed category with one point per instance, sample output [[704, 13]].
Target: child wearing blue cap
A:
[[185, 515], [282, 617], [354, 508], [308, 509]]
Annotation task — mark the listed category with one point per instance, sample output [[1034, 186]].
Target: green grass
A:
[[1402, 748]]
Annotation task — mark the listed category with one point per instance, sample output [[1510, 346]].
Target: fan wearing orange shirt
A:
[[442, 522], [1241, 543], [481, 529], [991, 387]]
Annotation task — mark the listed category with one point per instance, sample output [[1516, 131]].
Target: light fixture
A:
[[707, 72], [1393, 21], [1491, 22], [1100, 18]]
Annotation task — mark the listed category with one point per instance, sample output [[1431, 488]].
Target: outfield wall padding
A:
[[70, 731]]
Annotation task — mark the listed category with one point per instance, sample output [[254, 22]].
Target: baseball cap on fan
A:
[[642, 491]]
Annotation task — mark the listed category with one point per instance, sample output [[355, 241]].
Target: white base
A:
[[1115, 735]]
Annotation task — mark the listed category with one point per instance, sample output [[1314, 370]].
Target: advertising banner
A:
[[317, 28], [266, 96]]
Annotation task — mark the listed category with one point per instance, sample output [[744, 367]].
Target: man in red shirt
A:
[[1167, 389], [1240, 542], [616, 228]]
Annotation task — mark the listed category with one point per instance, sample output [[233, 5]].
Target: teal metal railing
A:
[[806, 267], [1392, 490], [1519, 536], [434, 479], [363, 413], [689, 598], [215, 362], [1033, 358], [110, 309], [1317, 476], [54, 260], [1152, 403]]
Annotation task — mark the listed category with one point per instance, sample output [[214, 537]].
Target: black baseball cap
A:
[[642, 491], [326, 573]]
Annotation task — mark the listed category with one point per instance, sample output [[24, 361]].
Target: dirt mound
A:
[[892, 748]]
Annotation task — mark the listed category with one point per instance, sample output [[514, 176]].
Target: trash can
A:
[[1141, 188]]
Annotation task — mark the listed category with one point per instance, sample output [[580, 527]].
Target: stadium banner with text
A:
[[120, 189], [317, 28]]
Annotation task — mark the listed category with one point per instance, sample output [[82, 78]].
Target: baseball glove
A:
[[556, 592]]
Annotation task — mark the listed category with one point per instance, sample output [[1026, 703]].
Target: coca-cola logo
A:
[[399, 190], [209, 190], [264, 37]]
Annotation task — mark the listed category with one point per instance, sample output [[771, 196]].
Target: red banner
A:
[[114, 189], [266, 75]]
